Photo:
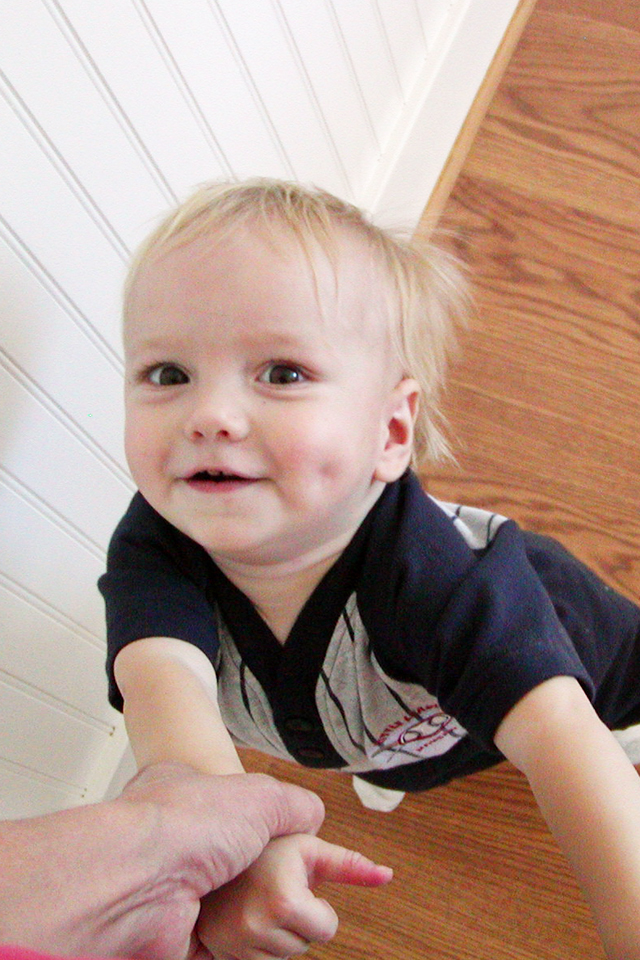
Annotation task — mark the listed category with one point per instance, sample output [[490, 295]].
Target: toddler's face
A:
[[257, 397]]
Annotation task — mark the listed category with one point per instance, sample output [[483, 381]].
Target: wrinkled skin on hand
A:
[[125, 878]]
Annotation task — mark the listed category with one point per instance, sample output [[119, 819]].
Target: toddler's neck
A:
[[279, 589], [280, 594]]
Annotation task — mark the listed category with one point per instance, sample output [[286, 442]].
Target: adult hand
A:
[[125, 877]]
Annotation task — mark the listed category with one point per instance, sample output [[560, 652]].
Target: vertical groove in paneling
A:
[[36, 776], [44, 277], [28, 792], [246, 77], [88, 64], [190, 100], [49, 613], [36, 131], [387, 45], [431, 17], [43, 696], [114, 467], [355, 78], [420, 22], [21, 489], [347, 187]]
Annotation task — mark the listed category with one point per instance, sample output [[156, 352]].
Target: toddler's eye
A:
[[282, 374], [167, 375]]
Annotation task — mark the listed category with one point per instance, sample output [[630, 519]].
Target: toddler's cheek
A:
[[148, 467], [312, 463]]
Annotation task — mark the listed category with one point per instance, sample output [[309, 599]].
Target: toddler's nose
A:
[[215, 415]]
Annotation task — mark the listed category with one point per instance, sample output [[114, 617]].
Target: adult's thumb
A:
[[287, 808]]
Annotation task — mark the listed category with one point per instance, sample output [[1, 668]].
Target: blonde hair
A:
[[424, 287]]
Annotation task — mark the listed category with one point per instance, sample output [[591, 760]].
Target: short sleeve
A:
[[496, 639], [155, 585]]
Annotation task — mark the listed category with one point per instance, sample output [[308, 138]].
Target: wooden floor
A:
[[546, 407]]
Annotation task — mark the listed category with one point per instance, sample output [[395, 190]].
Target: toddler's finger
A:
[[280, 945], [328, 862], [314, 920]]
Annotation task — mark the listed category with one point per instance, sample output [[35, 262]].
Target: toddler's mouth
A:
[[217, 477], [209, 479]]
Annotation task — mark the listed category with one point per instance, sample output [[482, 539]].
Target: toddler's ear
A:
[[402, 410]]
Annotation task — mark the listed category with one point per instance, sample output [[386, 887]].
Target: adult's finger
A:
[[221, 823], [279, 808], [284, 807]]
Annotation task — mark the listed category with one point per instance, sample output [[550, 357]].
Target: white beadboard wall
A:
[[110, 110]]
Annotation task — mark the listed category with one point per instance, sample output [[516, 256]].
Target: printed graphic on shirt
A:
[[374, 721], [422, 732]]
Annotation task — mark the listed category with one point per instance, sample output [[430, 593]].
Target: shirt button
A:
[[299, 725]]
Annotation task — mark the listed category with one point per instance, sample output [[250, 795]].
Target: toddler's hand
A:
[[270, 912]]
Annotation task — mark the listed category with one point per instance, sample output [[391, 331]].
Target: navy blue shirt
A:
[[434, 622]]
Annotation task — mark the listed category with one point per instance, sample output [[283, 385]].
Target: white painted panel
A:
[[379, 85], [65, 746], [427, 127], [25, 794], [55, 467], [113, 180], [406, 39], [143, 86], [121, 774], [50, 562], [332, 84], [40, 649], [284, 93], [110, 760], [433, 16], [205, 54], [50, 343], [41, 209]]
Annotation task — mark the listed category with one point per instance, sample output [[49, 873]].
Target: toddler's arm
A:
[[589, 794], [171, 708], [270, 909], [171, 711]]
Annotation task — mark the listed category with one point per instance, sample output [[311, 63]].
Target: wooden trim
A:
[[457, 156]]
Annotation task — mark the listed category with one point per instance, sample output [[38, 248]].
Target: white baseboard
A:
[[429, 126]]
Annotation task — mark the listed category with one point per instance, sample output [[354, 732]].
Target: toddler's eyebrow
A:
[[282, 341], [275, 339], [151, 343]]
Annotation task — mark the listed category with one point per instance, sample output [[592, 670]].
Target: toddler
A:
[[282, 581]]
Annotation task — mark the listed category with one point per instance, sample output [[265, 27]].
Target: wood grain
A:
[[545, 407], [546, 401], [455, 160], [476, 874]]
